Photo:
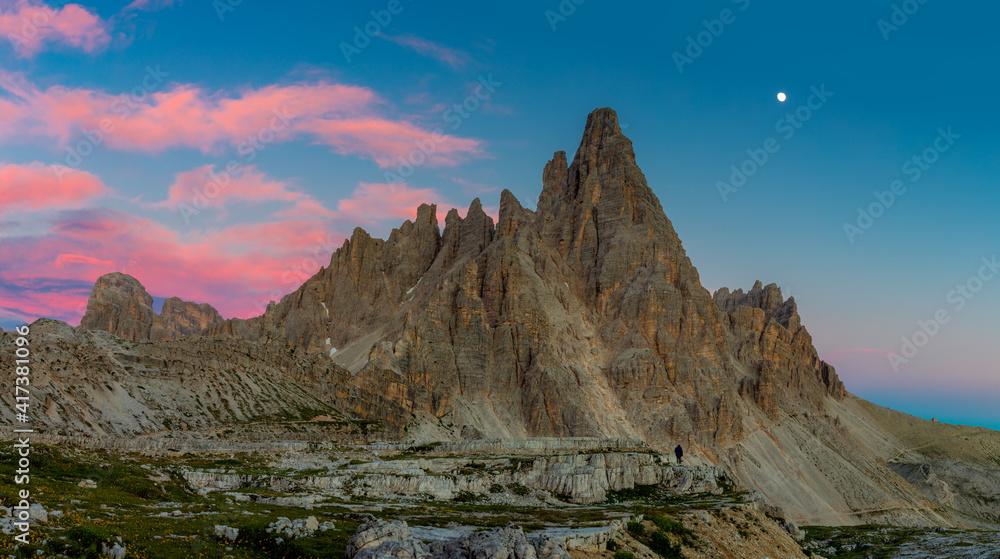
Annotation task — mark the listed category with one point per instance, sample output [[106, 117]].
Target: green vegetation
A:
[[859, 542], [662, 546], [637, 529], [670, 526], [467, 497], [425, 447], [518, 489], [138, 504], [624, 555], [661, 540]]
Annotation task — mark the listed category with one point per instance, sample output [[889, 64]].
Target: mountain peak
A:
[[602, 127], [119, 304]]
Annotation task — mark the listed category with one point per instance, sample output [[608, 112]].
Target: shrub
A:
[[671, 526], [467, 497], [662, 546], [624, 555], [636, 528], [83, 542], [518, 489], [612, 545]]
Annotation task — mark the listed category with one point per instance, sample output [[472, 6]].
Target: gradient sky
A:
[[180, 86]]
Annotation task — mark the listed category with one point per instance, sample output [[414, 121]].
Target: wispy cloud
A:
[[31, 27], [37, 187], [381, 201], [447, 55], [350, 120], [189, 187]]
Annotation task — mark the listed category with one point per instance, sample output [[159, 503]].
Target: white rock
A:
[[226, 532], [117, 551], [38, 513]]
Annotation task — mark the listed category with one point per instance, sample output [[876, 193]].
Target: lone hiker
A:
[[680, 454]]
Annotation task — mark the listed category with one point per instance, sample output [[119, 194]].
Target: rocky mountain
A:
[[119, 304], [582, 318]]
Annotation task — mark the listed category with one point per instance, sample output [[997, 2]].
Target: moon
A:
[[782, 97]]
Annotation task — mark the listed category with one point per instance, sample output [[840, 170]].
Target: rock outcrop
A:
[[93, 383], [119, 304], [384, 540], [180, 318], [957, 485], [767, 337]]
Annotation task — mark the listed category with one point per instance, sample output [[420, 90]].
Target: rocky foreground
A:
[[487, 499]]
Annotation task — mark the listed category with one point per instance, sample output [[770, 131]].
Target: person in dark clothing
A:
[[680, 454]]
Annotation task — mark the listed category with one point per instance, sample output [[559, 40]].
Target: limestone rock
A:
[[119, 304], [383, 540], [498, 543], [226, 532], [183, 318], [37, 513], [114, 551]]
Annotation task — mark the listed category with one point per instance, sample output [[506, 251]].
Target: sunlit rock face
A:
[[119, 304]]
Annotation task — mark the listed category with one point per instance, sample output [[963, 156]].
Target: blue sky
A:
[[893, 90]]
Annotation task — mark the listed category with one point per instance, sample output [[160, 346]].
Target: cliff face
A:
[[583, 318], [119, 304]]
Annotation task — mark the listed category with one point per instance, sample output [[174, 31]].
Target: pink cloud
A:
[[202, 187], [380, 201], [452, 57], [69, 259], [346, 118], [233, 269], [35, 186], [389, 142], [29, 26]]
